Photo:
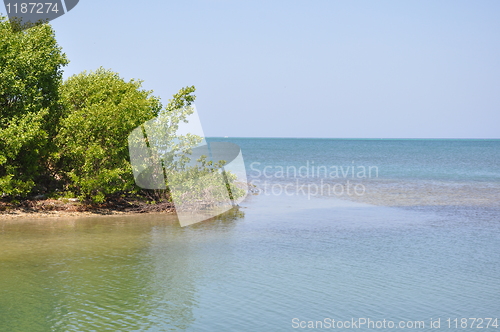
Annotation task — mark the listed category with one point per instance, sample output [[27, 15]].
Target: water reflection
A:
[[178, 258], [288, 257], [105, 273]]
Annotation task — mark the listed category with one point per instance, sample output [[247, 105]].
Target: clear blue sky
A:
[[393, 69]]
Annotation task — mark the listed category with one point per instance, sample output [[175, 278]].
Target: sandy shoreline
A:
[[50, 208], [15, 214]]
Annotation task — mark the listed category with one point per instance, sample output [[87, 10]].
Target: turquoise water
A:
[[277, 258], [413, 173], [439, 159]]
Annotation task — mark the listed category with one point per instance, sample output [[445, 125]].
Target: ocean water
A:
[[406, 173], [420, 246]]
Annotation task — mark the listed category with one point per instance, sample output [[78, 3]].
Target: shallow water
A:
[[255, 269], [427, 247], [388, 172]]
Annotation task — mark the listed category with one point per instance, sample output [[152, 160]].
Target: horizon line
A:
[[359, 138]]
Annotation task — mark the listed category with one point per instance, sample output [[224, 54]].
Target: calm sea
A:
[[356, 231]]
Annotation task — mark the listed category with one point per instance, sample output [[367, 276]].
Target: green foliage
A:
[[204, 184], [189, 182], [73, 135], [101, 109], [162, 132], [30, 75]]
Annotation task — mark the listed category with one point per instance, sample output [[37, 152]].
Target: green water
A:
[[255, 269], [435, 255], [85, 274]]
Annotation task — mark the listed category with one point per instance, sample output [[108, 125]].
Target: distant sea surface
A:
[[437, 174], [406, 231]]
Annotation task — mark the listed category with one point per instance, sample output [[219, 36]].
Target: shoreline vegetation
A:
[[41, 207], [65, 144]]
